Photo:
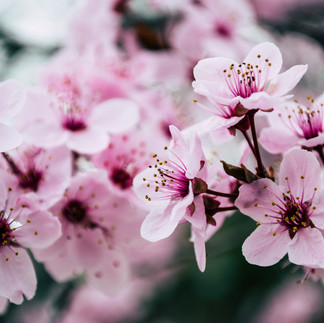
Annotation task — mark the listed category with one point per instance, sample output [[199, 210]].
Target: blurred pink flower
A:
[[13, 97], [45, 172], [83, 126]]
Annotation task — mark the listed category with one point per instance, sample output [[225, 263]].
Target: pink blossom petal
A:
[[158, 224], [267, 51], [115, 115], [87, 248], [13, 96], [180, 208], [307, 248], [215, 124], [198, 218], [262, 248], [63, 267], [198, 238], [277, 140], [256, 200], [112, 275], [88, 141], [10, 138], [261, 100], [299, 174], [312, 142], [40, 231], [286, 81], [17, 275], [317, 216], [142, 189], [45, 135], [212, 69], [222, 95], [3, 305]]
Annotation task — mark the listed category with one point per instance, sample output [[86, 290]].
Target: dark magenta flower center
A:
[[5, 231], [30, 179], [121, 178], [75, 211]]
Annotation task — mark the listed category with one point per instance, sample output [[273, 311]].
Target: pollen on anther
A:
[[255, 204], [273, 203], [16, 253], [286, 178], [314, 207], [148, 184], [165, 147], [28, 221], [258, 223], [6, 258], [265, 186], [315, 188], [274, 234], [266, 215], [302, 177], [36, 233]]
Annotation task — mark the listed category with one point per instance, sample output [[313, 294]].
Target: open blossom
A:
[[96, 227], [168, 186], [45, 172], [12, 98], [293, 124], [289, 215], [255, 83], [124, 157], [77, 121], [22, 225]]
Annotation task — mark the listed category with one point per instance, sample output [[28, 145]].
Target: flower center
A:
[[121, 178], [75, 211], [30, 179], [70, 122], [5, 230], [295, 216], [245, 79], [169, 180], [305, 122]]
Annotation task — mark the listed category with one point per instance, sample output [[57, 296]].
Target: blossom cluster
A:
[[117, 146]]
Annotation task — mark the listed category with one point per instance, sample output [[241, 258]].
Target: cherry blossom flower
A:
[[97, 228], [34, 169], [293, 124], [124, 157], [289, 215], [22, 225], [13, 97], [255, 83], [79, 123], [169, 187]]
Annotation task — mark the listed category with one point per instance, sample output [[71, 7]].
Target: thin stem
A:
[[227, 208], [247, 138], [212, 192], [261, 171]]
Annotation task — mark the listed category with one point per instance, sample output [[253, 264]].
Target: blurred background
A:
[[33, 32]]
